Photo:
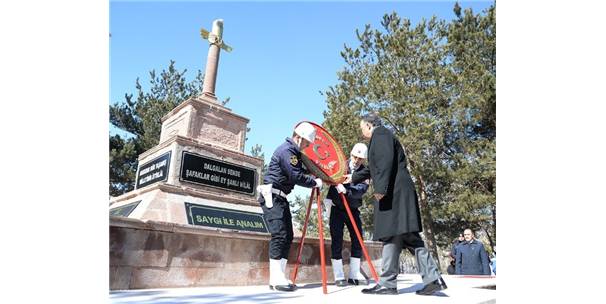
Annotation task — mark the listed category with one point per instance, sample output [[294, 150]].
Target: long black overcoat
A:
[[398, 211]]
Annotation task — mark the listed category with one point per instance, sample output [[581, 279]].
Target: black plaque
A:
[[124, 210], [201, 215], [153, 171], [216, 173]]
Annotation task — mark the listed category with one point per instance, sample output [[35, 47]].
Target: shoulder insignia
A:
[[294, 160]]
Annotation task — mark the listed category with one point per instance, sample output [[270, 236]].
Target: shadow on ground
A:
[[158, 297]]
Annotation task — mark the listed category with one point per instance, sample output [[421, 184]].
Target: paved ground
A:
[[461, 289]]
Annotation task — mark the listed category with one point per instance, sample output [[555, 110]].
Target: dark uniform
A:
[[339, 217], [284, 172]]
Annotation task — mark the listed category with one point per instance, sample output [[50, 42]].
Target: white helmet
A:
[[359, 150], [307, 131]]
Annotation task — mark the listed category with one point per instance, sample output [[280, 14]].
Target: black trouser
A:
[[339, 217], [279, 224]]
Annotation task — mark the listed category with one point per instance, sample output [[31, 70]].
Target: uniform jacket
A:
[[285, 168], [354, 192], [472, 258], [398, 211]]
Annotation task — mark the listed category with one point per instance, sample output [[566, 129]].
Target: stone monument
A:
[[200, 158], [193, 218]]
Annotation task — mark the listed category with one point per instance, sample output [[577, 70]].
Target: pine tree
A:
[[141, 119], [433, 85]]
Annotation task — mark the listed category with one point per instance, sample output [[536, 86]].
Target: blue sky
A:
[[284, 52]]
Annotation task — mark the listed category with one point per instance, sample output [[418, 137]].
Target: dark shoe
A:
[[289, 287], [443, 284], [341, 283], [430, 288], [357, 282], [378, 289]]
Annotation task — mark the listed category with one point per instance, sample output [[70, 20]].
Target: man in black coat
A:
[[471, 256], [397, 220]]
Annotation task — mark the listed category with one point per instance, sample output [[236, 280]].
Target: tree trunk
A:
[[494, 226], [490, 240], [427, 222]]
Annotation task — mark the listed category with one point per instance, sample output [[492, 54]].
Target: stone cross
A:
[[215, 38]]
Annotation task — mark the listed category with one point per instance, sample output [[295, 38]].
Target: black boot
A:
[[430, 288], [378, 289]]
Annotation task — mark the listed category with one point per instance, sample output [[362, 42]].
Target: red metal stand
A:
[[360, 239], [294, 273], [315, 193], [321, 232]]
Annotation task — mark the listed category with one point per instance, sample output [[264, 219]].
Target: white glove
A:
[[318, 183], [265, 191], [341, 188]]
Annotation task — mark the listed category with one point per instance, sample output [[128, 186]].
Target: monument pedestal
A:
[[162, 255], [199, 160]]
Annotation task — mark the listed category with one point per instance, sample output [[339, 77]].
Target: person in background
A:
[[471, 258], [453, 253], [493, 261]]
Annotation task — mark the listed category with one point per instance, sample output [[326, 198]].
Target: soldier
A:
[[338, 217], [284, 172]]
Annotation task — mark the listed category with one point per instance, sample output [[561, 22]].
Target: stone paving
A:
[[461, 289]]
